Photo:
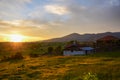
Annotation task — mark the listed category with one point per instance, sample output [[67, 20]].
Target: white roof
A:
[[87, 48]]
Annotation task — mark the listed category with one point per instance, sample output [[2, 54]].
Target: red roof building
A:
[[108, 38], [108, 43]]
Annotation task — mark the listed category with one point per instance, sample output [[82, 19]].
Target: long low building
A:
[[74, 48]]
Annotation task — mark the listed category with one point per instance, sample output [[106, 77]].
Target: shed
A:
[[88, 50]]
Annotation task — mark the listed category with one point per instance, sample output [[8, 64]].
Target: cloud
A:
[[13, 9], [36, 25], [56, 9], [25, 27], [44, 18], [114, 2], [82, 15]]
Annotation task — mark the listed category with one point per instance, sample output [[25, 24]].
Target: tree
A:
[[50, 50], [58, 50]]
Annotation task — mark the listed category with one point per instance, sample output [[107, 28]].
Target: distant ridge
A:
[[83, 38]]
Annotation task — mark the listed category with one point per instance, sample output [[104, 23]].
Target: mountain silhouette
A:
[[83, 37]]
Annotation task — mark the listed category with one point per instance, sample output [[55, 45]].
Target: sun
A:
[[16, 38]]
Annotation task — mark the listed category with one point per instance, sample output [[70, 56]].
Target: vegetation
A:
[[98, 66], [62, 68], [17, 56], [30, 48]]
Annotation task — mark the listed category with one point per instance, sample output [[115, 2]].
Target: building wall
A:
[[68, 53]]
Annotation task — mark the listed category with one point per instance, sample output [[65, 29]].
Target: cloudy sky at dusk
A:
[[44, 19]]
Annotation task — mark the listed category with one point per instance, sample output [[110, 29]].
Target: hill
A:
[[82, 38]]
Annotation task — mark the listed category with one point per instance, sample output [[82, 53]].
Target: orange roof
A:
[[107, 38]]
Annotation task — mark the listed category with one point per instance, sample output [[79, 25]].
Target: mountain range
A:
[[83, 37]]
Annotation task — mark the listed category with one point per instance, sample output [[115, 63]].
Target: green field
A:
[[98, 66], [61, 68]]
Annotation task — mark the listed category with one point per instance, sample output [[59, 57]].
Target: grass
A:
[[107, 54], [62, 68], [98, 66]]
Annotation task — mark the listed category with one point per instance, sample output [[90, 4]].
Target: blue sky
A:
[[44, 19]]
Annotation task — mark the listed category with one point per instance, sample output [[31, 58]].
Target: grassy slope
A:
[[63, 68], [7, 49]]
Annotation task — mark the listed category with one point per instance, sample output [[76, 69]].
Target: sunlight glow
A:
[[16, 38]]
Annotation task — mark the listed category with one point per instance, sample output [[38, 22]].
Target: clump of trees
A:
[[49, 51], [54, 51], [107, 45]]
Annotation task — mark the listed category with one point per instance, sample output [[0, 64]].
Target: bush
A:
[[33, 55], [16, 56], [90, 76]]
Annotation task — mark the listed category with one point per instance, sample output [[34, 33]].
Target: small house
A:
[[74, 48]]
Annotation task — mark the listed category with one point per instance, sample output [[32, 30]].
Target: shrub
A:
[[16, 56], [90, 76], [33, 55]]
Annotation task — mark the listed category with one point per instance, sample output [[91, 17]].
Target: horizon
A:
[[34, 20], [56, 37]]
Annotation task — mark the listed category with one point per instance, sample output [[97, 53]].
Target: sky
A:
[[45, 19]]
